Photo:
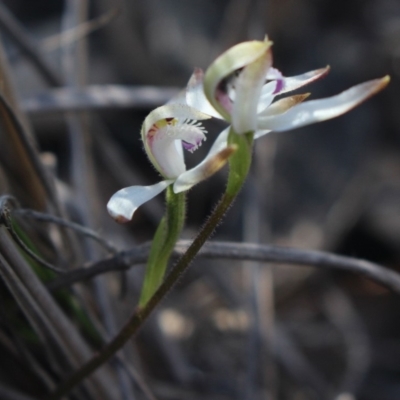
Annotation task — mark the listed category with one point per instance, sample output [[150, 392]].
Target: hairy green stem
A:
[[240, 164], [163, 243]]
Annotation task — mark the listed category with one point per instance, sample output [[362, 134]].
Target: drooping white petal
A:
[[215, 160], [248, 90], [295, 82], [195, 96], [227, 63], [323, 109], [125, 202]]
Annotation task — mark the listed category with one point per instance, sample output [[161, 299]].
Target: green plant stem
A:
[[163, 243], [141, 313], [236, 179]]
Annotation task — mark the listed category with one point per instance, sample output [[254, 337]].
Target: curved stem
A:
[[141, 313], [239, 167]]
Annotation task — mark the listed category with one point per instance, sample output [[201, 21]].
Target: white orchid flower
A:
[[165, 132], [241, 85]]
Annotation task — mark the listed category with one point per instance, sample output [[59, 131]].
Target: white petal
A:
[[295, 82], [248, 90], [260, 133], [220, 143], [179, 98], [274, 74], [323, 109], [124, 203], [168, 158], [195, 96], [279, 107], [267, 96], [169, 163], [227, 63], [282, 105], [189, 178]]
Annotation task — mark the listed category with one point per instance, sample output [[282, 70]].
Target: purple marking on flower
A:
[[188, 146], [223, 98], [274, 74], [191, 146], [279, 86]]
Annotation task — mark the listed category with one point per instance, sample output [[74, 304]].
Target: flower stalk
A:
[[163, 243], [240, 161]]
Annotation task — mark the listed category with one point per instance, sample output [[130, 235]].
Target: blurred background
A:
[[82, 75]]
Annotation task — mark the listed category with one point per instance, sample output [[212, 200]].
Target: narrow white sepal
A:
[[195, 96], [125, 202], [291, 83], [320, 110]]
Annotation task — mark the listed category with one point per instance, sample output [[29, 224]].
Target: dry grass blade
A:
[[11, 394], [27, 46], [18, 153], [75, 63], [70, 342], [79, 32]]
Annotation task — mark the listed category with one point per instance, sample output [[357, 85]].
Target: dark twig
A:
[[339, 308], [120, 262], [8, 202], [80, 31], [297, 365], [28, 47], [97, 97], [67, 224], [239, 251], [5, 219], [11, 394]]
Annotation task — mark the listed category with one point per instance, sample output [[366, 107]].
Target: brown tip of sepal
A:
[[324, 71], [384, 82], [220, 159], [375, 86], [298, 98], [121, 219]]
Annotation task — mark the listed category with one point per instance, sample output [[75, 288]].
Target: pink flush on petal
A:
[[223, 98], [274, 74]]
